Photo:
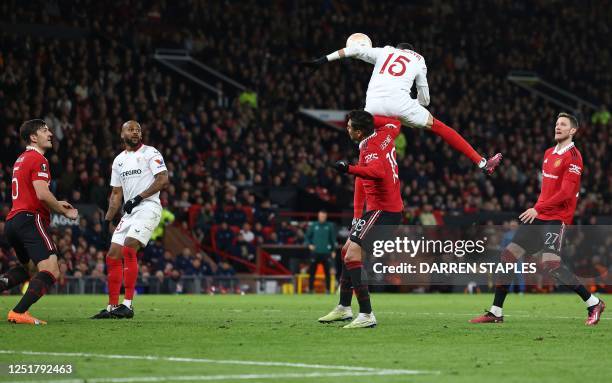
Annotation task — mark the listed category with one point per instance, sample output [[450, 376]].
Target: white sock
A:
[[110, 308], [128, 303], [482, 163], [344, 307], [497, 311], [592, 301]]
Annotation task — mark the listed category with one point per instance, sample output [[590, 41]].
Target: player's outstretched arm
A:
[[44, 194], [114, 203], [366, 54]]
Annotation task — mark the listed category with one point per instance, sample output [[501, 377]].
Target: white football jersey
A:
[[395, 70], [135, 171]]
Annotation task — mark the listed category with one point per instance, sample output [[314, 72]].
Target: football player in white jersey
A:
[[138, 175], [388, 94]]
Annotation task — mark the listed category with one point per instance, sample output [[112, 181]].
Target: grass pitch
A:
[[420, 338]]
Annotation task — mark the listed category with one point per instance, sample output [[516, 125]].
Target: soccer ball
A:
[[358, 39]]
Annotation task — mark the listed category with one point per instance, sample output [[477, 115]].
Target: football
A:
[[358, 39]]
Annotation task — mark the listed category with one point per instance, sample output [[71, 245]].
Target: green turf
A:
[[543, 340]]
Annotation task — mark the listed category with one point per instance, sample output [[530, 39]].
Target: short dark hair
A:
[[362, 121], [30, 127], [405, 46], [573, 119]]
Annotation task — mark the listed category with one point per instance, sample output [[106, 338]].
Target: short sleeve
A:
[[156, 163], [574, 169], [39, 170], [115, 176]]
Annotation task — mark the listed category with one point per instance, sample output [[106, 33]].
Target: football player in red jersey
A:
[[543, 224], [27, 222], [377, 182]]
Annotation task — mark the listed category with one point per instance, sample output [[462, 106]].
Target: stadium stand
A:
[[227, 158]]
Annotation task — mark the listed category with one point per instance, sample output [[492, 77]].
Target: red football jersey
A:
[[377, 168], [561, 173], [29, 167]]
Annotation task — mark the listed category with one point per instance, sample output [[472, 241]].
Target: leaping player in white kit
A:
[[388, 94], [138, 174]]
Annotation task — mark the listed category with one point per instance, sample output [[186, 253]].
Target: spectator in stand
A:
[[224, 237]]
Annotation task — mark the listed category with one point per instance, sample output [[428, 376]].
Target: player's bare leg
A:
[[114, 270], [354, 267], [39, 285], [454, 139], [343, 311], [130, 275]]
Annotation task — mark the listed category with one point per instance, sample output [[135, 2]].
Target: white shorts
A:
[[138, 225], [409, 112]]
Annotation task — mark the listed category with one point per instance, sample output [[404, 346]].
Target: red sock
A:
[[455, 140], [114, 269], [130, 271]]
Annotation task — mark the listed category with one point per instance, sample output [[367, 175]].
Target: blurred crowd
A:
[[224, 156]]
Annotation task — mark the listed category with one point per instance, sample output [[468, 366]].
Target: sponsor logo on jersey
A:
[[386, 142], [132, 172], [549, 175], [574, 169], [43, 167], [557, 163], [159, 161], [41, 174], [20, 159], [120, 164], [371, 157]]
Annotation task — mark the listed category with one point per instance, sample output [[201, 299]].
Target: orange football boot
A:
[[24, 318]]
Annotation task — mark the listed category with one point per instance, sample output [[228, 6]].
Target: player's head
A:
[[36, 133], [131, 134], [360, 124], [406, 46], [322, 216], [566, 126]]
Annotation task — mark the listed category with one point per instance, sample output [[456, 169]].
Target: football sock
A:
[[503, 281], [564, 276], [354, 270], [496, 310], [455, 140], [114, 269], [127, 303], [346, 289], [500, 295], [130, 273], [39, 285], [13, 277], [592, 301]]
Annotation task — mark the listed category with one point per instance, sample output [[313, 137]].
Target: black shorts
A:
[[362, 233], [30, 238], [540, 235]]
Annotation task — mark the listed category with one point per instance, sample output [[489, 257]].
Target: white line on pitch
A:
[[215, 361], [194, 378]]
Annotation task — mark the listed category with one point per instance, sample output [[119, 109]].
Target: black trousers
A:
[[315, 259]]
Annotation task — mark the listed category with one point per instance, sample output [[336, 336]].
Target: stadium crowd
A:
[[224, 156]]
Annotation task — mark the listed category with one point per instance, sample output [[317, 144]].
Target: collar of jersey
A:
[[134, 151], [565, 149], [34, 149], [363, 142]]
